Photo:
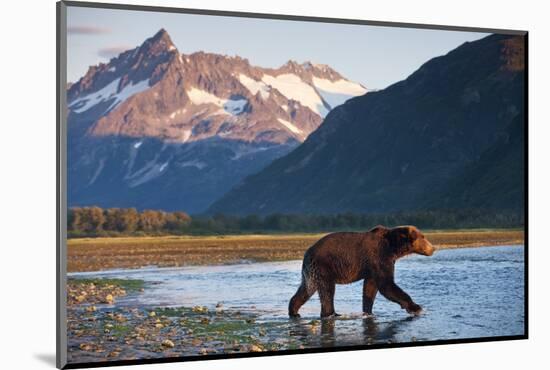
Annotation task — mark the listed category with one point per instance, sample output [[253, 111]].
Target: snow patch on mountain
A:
[[254, 86], [150, 171], [88, 101], [108, 93], [230, 106], [195, 163], [185, 135], [98, 171], [177, 112], [235, 106], [337, 92], [290, 126], [292, 87], [128, 91], [340, 86], [199, 96], [242, 152]]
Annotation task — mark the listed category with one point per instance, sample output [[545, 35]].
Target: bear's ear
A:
[[398, 236], [413, 233]]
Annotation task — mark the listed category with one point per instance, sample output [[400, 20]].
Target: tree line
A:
[[95, 221], [98, 221], [295, 223]]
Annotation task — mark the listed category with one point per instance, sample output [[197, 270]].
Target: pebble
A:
[[168, 343], [109, 299], [256, 348], [200, 309], [85, 346]]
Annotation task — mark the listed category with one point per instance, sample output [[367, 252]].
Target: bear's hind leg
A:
[[302, 295], [326, 295], [369, 293]]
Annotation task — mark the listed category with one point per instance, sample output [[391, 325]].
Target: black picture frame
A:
[[61, 184]]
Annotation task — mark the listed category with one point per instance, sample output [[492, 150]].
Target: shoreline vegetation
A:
[[126, 222], [106, 253]]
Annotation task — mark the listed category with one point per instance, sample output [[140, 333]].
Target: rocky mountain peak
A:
[[143, 65], [308, 70], [159, 43]]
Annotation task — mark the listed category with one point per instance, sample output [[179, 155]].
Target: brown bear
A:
[[346, 257]]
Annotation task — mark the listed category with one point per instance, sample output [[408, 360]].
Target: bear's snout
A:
[[427, 249]]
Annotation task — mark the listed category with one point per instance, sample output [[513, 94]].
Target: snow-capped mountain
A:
[[153, 118]]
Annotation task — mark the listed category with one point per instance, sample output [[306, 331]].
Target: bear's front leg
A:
[[391, 291], [369, 293], [414, 309]]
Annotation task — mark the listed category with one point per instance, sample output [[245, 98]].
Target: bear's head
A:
[[404, 240]]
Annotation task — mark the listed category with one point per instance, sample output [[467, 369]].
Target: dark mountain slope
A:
[[495, 181], [424, 140]]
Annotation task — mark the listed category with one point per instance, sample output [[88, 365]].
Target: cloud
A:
[[112, 51], [87, 30]]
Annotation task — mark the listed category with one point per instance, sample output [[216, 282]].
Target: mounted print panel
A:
[[235, 184]]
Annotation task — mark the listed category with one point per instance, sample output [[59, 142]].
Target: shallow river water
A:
[[465, 293]]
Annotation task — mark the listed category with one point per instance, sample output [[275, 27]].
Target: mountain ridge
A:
[[392, 149], [289, 102]]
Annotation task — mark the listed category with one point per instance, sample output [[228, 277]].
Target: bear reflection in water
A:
[[343, 331]]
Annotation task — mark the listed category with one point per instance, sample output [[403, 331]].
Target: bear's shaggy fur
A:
[[343, 258]]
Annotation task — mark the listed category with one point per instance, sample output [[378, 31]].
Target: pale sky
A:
[[374, 56]]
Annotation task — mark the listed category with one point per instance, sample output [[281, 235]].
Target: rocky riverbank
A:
[[99, 330]]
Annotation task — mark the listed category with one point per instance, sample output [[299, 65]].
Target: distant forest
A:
[[95, 222]]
